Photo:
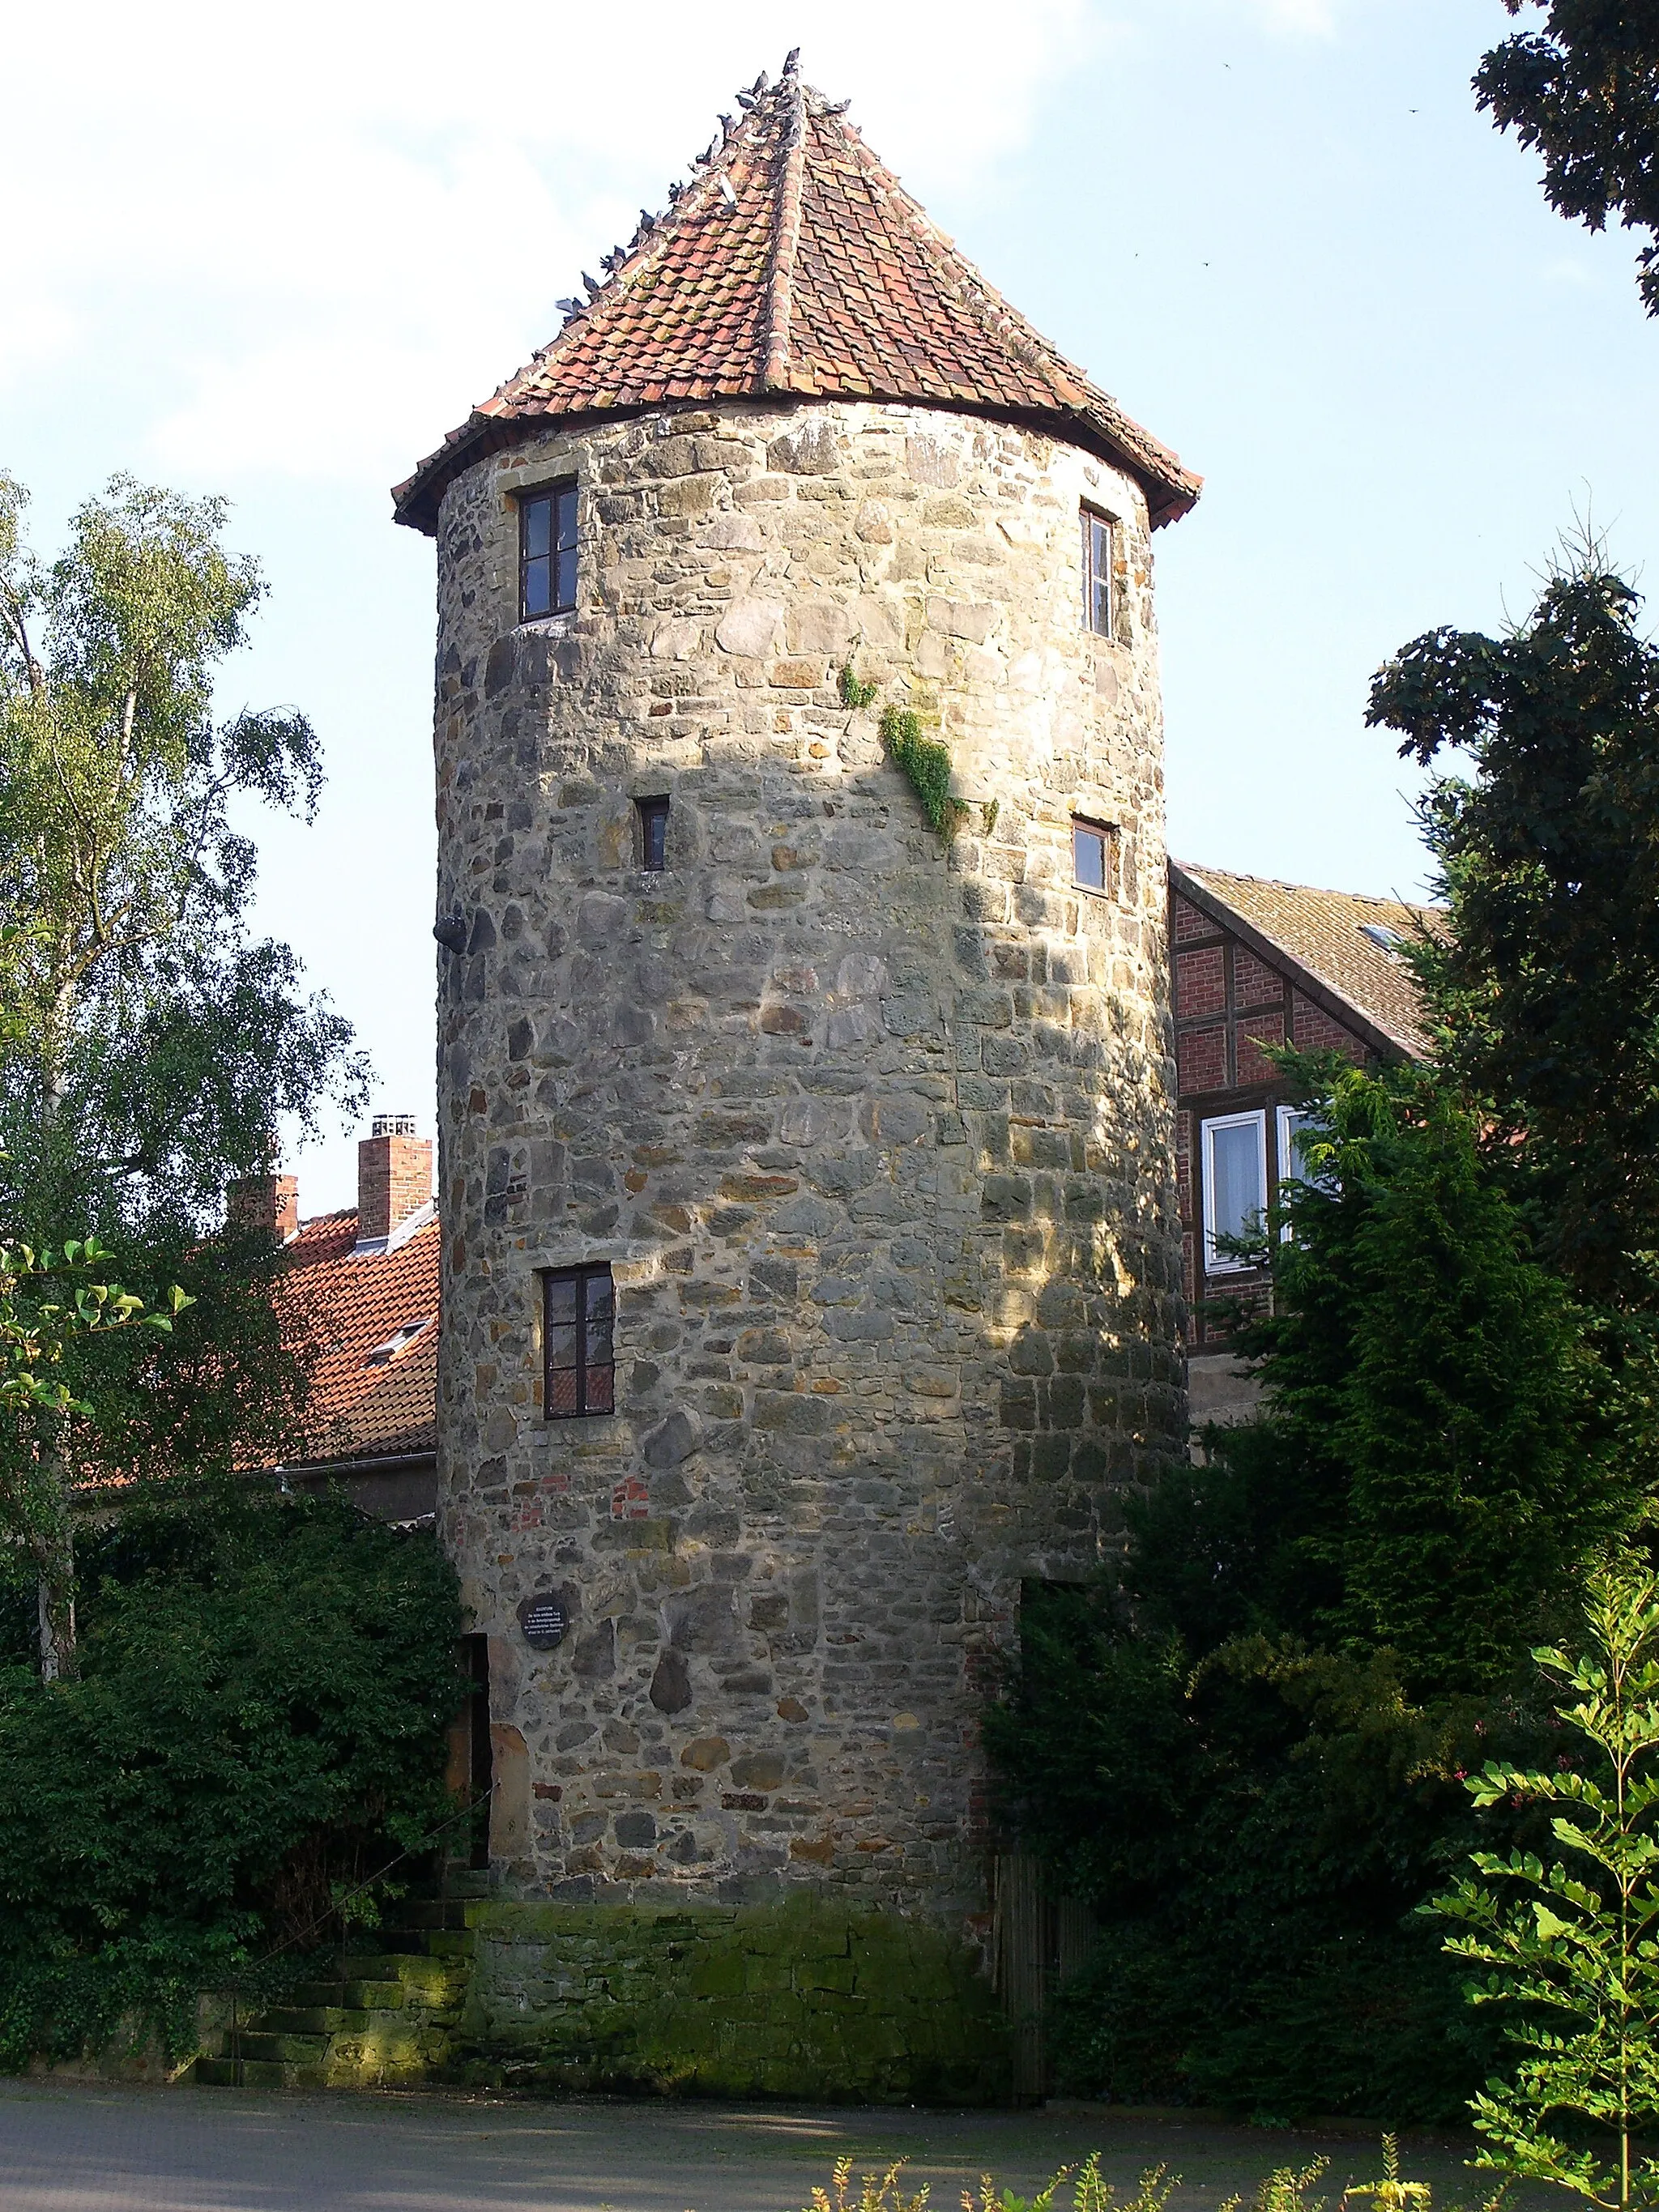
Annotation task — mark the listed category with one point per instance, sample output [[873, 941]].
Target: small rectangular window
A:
[[654, 834], [1235, 1188], [1094, 855], [1098, 572], [578, 1308], [547, 552]]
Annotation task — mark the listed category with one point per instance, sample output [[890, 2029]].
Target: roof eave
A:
[[365, 1463], [1382, 1040], [1170, 492]]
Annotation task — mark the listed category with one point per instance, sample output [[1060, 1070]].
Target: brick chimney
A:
[[394, 1179], [265, 1201]]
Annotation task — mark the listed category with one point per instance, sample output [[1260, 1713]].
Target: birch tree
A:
[[153, 1043]]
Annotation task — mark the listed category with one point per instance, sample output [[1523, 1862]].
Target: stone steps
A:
[[257, 2074], [323, 2020], [386, 2016], [356, 1996]]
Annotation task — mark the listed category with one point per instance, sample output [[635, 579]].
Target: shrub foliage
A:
[[259, 1724], [1244, 1748]]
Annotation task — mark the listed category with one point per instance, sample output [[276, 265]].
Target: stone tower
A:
[[811, 1251]]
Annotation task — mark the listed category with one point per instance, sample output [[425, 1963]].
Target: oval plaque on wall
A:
[[543, 1619]]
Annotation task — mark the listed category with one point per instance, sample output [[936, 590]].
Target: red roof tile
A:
[[795, 263], [349, 1308]]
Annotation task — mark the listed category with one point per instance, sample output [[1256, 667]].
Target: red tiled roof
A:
[[795, 263], [1323, 933], [349, 1309]]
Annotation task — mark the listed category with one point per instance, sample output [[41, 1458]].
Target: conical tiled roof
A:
[[794, 263]]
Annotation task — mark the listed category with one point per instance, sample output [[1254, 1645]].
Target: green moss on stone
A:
[[807, 1998]]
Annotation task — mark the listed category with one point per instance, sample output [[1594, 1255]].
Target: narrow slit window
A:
[[1098, 572], [547, 552], [579, 1309], [654, 834], [1094, 853], [1234, 1153]]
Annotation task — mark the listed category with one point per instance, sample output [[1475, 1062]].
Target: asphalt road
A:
[[75, 2148]]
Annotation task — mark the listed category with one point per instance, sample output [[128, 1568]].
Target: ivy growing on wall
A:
[[854, 692], [923, 759], [927, 764]]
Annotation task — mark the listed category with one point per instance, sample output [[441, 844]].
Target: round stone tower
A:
[[811, 1251]]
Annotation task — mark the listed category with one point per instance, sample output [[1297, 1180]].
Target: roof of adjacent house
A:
[[372, 1322], [1324, 934], [795, 263]]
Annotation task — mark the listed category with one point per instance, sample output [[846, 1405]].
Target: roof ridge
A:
[[1320, 890], [785, 240], [653, 234]]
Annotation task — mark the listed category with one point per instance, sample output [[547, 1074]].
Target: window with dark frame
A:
[[1093, 854], [547, 551], [654, 834], [1098, 572], [579, 1311]]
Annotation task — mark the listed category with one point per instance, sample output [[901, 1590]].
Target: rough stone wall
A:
[[814, 1999], [874, 1134]]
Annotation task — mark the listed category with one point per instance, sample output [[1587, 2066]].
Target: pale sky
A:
[[277, 255]]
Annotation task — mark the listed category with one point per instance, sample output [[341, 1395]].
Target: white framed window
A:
[[1097, 571], [1297, 1129], [1235, 1154]]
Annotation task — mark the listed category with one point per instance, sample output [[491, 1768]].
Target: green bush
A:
[[1244, 1749], [259, 1725]]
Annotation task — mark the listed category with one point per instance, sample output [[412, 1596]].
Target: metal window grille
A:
[[547, 552], [1098, 572], [654, 834], [579, 1309]]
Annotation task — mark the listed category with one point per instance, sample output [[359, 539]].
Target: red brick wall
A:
[[1255, 983], [394, 1180], [1201, 1059], [1229, 1002], [1189, 922], [1315, 1031], [1200, 982], [1254, 1031]]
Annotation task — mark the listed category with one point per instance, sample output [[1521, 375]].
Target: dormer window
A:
[[547, 551], [399, 1341], [1097, 571]]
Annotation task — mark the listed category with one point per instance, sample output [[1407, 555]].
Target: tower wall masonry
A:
[[873, 1131]]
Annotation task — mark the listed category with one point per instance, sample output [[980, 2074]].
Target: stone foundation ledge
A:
[[808, 1998]]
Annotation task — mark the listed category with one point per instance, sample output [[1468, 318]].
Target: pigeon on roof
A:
[[794, 263]]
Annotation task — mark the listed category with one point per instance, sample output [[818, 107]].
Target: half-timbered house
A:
[[1257, 964]]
